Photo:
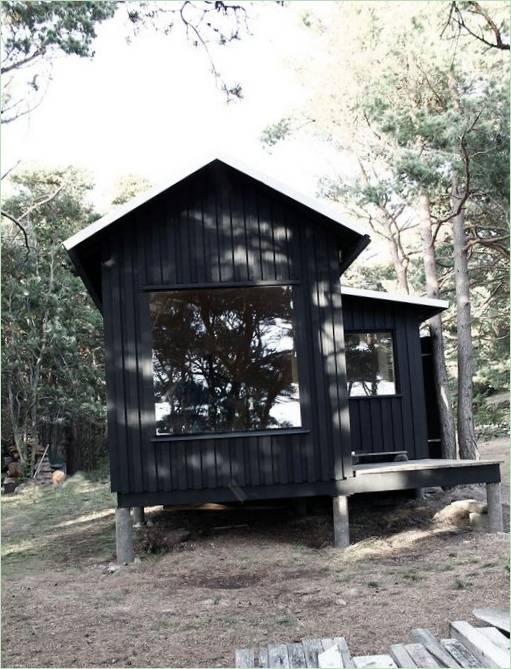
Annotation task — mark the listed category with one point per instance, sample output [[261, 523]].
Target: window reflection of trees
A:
[[370, 364], [224, 360]]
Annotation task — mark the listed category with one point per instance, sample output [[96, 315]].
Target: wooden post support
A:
[[123, 536], [495, 522], [138, 516], [341, 522]]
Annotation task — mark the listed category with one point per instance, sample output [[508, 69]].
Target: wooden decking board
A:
[[413, 465], [401, 656], [277, 656], [472, 647], [461, 654], [244, 657], [345, 651], [330, 658], [262, 657], [420, 655], [430, 643], [494, 617], [487, 652], [379, 661], [312, 647], [495, 636], [296, 655]]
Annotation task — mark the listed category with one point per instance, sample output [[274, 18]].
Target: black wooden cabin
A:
[[227, 337]]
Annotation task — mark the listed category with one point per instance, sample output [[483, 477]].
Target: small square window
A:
[[370, 368]]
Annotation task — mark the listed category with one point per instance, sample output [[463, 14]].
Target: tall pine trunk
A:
[[399, 263], [447, 429], [466, 433]]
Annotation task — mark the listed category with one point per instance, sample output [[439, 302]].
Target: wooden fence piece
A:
[[494, 617], [487, 652], [379, 661], [296, 655], [461, 654], [420, 655], [428, 640], [496, 636], [312, 647], [277, 656], [401, 656]]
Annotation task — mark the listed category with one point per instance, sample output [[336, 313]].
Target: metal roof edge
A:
[[395, 297]]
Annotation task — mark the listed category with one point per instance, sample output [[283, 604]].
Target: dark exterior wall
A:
[[220, 228], [390, 423]]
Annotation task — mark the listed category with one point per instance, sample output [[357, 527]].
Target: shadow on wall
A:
[[234, 235]]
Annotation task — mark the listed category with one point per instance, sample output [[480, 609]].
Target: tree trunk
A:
[[15, 427], [399, 265], [466, 432], [447, 429]]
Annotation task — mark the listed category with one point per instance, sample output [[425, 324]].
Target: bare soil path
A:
[[276, 578]]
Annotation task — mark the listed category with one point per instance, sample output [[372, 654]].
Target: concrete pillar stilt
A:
[[341, 522], [123, 536]]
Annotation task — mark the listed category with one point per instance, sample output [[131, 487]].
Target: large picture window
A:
[[370, 367], [224, 360]]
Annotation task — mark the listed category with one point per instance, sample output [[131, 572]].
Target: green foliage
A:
[[32, 30], [275, 133], [128, 187], [52, 353]]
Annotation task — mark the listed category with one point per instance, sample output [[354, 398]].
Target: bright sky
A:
[[143, 107]]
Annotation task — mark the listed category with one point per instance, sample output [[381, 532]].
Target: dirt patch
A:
[[264, 582]]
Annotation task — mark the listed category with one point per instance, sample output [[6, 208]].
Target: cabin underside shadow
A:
[[367, 478]]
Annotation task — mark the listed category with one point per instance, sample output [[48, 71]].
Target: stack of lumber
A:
[[468, 646]]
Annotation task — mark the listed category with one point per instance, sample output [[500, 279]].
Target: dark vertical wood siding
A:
[[390, 423], [220, 227]]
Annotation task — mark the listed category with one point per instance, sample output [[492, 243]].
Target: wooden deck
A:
[[382, 476], [468, 647]]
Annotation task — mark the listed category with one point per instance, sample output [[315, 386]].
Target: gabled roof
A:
[[84, 247], [184, 171], [426, 306]]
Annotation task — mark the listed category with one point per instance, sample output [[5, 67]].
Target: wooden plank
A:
[[296, 655], [401, 656], [427, 639], [244, 657], [461, 654], [379, 661], [496, 617], [495, 636], [345, 651], [489, 654], [277, 656], [331, 657], [262, 659], [311, 648], [421, 656]]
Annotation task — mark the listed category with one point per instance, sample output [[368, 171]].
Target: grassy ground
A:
[[274, 578]]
